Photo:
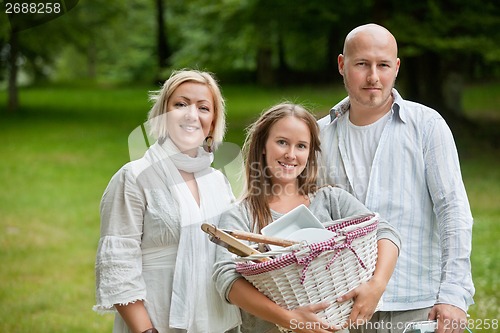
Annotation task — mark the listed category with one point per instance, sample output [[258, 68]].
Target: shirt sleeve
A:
[[225, 268], [118, 265], [454, 217]]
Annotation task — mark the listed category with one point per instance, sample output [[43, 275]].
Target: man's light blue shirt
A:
[[416, 184]]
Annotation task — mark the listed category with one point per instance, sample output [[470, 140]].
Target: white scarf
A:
[[196, 306], [185, 162]]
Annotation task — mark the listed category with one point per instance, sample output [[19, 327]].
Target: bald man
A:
[[399, 158]]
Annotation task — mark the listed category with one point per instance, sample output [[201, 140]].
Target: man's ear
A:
[[398, 62], [340, 62]]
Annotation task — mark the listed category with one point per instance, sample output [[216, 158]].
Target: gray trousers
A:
[[392, 321]]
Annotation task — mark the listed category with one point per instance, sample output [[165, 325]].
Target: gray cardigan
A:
[[327, 204]]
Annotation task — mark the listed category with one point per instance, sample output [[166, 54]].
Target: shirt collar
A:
[[340, 109], [397, 106], [343, 106]]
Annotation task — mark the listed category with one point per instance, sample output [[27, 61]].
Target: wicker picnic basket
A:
[[311, 273]]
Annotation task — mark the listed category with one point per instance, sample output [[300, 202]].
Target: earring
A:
[[208, 144]]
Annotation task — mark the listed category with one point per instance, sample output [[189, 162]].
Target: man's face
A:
[[369, 66]]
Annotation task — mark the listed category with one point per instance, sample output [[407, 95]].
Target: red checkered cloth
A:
[[349, 222], [306, 255]]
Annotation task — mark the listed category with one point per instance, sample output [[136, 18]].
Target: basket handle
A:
[[359, 232], [352, 222], [362, 224]]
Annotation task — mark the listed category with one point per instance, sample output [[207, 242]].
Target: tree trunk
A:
[[91, 60], [162, 42], [430, 81], [424, 80], [265, 73], [283, 69], [334, 44], [13, 99], [453, 87]]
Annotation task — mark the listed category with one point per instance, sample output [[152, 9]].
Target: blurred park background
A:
[[72, 88]]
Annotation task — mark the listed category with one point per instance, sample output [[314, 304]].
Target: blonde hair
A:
[[156, 116], [258, 185]]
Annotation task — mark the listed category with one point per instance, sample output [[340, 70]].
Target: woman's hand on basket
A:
[[304, 319], [366, 297]]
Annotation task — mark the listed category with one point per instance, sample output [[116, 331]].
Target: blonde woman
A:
[[154, 264]]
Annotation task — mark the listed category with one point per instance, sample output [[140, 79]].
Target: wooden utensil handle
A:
[[230, 242], [253, 237]]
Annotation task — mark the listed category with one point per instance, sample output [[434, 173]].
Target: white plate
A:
[[297, 219], [311, 235]]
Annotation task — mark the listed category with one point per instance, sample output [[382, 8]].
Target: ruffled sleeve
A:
[[119, 258]]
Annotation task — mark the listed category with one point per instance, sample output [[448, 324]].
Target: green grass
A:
[[58, 155], [482, 101]]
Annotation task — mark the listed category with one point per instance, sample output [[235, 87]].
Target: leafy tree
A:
[[36, 43], [268, 38], [442, 44]]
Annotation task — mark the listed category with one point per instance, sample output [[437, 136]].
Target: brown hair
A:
[[258, 185]]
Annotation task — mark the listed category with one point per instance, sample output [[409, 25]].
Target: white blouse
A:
[[141, 227]]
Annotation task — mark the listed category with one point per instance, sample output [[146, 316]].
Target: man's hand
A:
[[450, 319]]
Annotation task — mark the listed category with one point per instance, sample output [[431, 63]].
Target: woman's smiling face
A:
[[190, 116], [287, 150]]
